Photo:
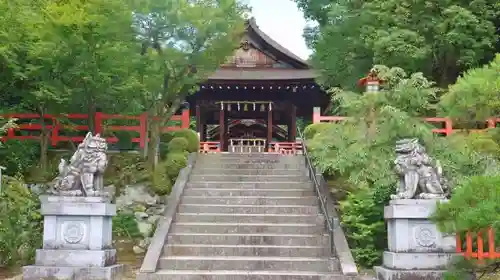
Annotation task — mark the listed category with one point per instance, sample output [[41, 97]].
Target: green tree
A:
[[84, 51], [440, 39], [474, 207], [183, 42], [68, 57], [475, 203], [475, 96], [362, 162]]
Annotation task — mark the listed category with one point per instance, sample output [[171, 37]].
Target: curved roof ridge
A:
[[271, 42]]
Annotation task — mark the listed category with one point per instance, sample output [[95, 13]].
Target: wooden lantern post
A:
[[372, 85], [371, 82]]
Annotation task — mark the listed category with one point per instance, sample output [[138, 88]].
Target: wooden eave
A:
[[301, 69], [267, 74], [278, 50]]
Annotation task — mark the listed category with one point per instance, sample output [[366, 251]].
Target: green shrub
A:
[[315, 128], [192, 138], [125, 169], [174, 163], [124, 140], [21, 225], [474, 206], [178, 144], [125, 226], [19, 156], [161, 184]]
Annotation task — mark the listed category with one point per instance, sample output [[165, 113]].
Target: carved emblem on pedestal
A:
[[425, 237], [73, 232]]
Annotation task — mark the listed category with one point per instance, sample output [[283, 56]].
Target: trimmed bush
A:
[[161, 184], [174, 163], [192, 138], [178, 144]]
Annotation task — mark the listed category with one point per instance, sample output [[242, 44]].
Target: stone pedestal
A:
[[77, 240], [417, 249]]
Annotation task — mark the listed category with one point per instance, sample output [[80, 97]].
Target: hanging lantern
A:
[[245, 107], [239, 108], [270, 106], [229, 107], [222, 106], [254, 106], [262, 107]]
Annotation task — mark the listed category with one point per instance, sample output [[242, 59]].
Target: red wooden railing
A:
[[56, 128], [445, 129], [209, 147], [286, 148], [481, 253]]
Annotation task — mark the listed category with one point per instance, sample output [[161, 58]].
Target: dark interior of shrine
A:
[[304, 96], [248, 108]]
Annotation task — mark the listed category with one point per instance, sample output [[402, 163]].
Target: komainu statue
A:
[[420, 176], [83, 175]]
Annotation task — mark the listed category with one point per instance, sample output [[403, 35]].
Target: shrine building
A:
[[255, 98]]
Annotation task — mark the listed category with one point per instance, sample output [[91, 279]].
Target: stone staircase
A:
[[253, 216]]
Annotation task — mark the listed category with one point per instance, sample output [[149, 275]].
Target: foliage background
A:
[[357, 154]]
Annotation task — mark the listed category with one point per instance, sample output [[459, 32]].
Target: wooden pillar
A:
[[226, 134], [316, 115], [203, 132], [222, 129], [199, 125], [292, 125], [269, 126]]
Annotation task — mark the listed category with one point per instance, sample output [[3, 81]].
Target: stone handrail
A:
[[155, 249], [342, 250]]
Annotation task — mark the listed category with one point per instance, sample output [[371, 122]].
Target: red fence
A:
[[33, 123], [482, 252], [444, 125]]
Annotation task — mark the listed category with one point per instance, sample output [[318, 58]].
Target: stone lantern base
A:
[[417, 249], [77, 240]]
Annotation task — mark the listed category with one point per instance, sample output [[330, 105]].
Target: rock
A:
[[156, 210], [152, 200], [141, 216], [145, 228], [135, 194], [153, 219], [139, 208], [138, 250], [144, 243]]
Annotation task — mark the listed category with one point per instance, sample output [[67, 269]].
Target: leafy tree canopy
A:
[[440, 39], [476, 95], [359, 152]]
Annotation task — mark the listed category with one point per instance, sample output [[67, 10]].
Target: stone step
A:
[[248, 239], [246, 263], [284, 228], [248, 165], [248, 178], [254, 200], [242, 275], [250, 185], [208, 192], [248, 171], [246, 250], [247, 218], [248, 209]]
